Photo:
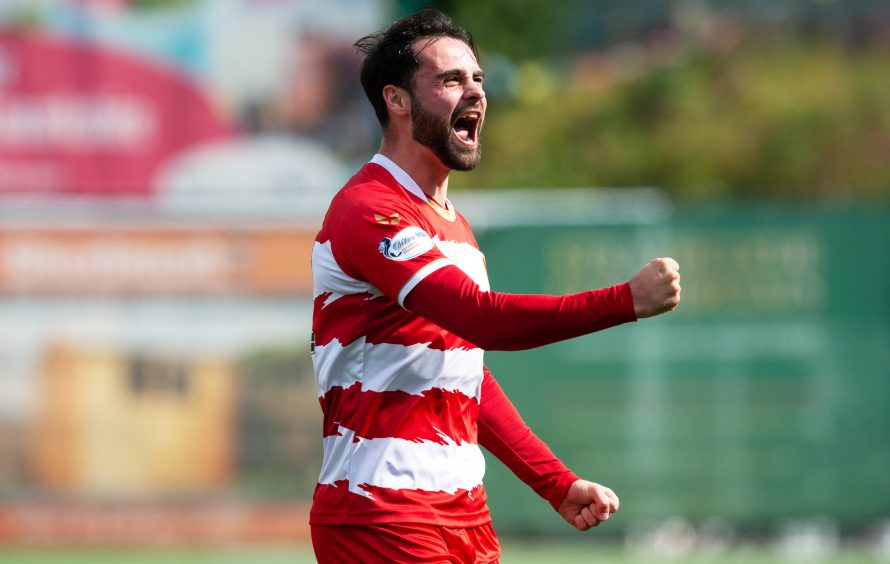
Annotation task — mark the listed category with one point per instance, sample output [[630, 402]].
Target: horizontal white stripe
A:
[[336, 365], [384, 367], [400, 464], [418, 276], [327, 276], [468, 258]]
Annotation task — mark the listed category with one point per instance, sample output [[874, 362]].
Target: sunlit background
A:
[[164, 166]]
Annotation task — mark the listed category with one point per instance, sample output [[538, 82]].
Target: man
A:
[[403, 313]]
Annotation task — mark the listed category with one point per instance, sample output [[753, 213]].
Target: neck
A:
[[421, 164]]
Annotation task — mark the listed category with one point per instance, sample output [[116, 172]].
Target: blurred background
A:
[[165, 164]]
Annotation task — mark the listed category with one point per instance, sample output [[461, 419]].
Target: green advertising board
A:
[[764, 397]]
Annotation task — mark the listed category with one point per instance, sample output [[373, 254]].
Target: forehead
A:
[[444, 53]]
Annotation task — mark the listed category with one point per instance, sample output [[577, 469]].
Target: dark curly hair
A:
[[389, 58]]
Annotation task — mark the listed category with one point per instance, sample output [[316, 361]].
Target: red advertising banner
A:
[[79, 119]]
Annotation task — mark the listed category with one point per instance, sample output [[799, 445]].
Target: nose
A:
[[474, 91]]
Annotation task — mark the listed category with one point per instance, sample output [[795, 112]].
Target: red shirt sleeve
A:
[[499, 321], [503, 433], [378, 237]]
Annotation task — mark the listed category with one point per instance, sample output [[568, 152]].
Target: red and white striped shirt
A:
[[401, 395]]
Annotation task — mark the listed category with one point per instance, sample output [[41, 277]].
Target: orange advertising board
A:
[[155, 261]]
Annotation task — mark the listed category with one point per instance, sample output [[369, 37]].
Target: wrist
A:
[[561, 489], [625, 298]]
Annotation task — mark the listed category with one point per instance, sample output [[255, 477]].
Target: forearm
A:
[[500, 321], [503, 433]]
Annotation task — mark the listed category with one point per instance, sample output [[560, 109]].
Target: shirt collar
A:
[[400, 175]]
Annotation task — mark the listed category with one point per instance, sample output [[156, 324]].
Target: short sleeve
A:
[[378, 236]]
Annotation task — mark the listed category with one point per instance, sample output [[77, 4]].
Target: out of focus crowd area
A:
[[164, 167]]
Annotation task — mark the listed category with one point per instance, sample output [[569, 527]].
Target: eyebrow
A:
[[452, 72]]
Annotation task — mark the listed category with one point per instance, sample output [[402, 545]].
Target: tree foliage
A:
[[766, 119]]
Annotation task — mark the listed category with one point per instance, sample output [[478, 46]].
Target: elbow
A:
[[490, 342], [473, 331]]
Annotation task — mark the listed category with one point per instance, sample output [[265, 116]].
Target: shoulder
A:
[[370, 187], [373, 195]]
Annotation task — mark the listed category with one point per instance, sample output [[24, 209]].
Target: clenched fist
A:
[[587, 504], [656, 288]]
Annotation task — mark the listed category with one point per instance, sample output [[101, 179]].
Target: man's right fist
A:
[[656, 288]]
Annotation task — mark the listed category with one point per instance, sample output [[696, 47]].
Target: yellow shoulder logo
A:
[[392, 219]]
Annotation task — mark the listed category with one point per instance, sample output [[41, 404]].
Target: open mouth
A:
[[466, 128]]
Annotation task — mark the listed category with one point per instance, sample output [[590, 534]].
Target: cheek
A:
[[447, 100]]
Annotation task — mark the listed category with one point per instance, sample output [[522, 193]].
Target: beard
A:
[[435, 133]]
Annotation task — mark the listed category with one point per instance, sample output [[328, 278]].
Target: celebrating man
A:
[[403, 313]]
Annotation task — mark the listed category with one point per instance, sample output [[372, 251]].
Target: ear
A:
[[397, 100]]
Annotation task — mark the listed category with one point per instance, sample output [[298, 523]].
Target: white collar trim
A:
[[400, 175]]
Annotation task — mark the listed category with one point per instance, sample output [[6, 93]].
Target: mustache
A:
[[472, 106]]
